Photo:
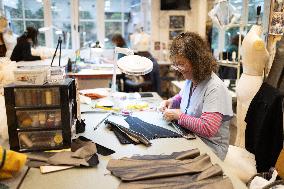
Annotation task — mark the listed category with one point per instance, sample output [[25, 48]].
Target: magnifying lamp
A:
[[130, 64]]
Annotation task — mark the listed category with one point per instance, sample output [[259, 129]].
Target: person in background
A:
[[118, 41], [22, 50], [204, 105]]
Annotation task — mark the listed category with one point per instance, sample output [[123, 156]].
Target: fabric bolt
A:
[[210, 96], [264, 131], [207, 125], [209, 178], [150, 131], [128, 169]]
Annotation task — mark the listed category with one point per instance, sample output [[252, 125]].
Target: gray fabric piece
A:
[[65, 158], [86, 151], [189, 154], [209, 178], [128, 169]]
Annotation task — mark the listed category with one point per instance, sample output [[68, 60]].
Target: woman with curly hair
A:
[[204, 105]]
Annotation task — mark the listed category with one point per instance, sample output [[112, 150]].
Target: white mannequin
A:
[[140, 41], [9, 39], [254, 58]]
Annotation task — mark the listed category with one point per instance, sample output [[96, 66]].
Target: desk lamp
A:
[[130, 64]]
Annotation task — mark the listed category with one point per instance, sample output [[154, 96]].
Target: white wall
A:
[[195, 21]]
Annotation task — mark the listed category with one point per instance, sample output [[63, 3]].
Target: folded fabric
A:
[[129, 169], [83, 153], [179, 170], [10, 162], [208, 179]]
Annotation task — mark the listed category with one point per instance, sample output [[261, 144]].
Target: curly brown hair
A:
[[192, 47]]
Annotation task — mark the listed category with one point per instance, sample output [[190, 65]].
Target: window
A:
[[61, 20], [117, 16], [24, 13], [221, 39], [80, 21], [87, 20]]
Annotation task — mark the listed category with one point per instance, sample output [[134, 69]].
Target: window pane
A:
[[87, 13], [33, 9], [17, 27], [38, 24], [13, 9], [252, 10], [61, 20], [111, 28], [87, 33], [87, 9], [113, 15]]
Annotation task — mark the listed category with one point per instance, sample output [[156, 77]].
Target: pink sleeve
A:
[[176, 101], [207, 125]]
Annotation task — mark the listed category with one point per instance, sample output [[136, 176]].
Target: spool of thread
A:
[[48, 97], [35, 119], [42, 119], [25, 139]]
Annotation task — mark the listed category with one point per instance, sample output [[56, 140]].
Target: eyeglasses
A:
[[178, 67]]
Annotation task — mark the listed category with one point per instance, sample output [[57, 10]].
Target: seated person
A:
[[204, 105], [22, 50], [146, 83]]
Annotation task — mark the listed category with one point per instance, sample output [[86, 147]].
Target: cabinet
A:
[[40, 117]]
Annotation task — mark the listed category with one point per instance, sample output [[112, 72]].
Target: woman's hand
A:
[[165, 104], [172, 114]]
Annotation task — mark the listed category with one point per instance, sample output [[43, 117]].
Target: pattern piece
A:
[[150, 131]]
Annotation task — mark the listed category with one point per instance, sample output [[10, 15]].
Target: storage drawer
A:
[[37, 97], [38, 119], [36, 140]]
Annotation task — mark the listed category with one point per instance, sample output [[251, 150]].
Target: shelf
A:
[[228, 63], [41, 149], [30, 129], [37, 107]]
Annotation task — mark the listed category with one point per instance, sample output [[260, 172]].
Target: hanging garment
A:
[[186, 169], [264, 132]]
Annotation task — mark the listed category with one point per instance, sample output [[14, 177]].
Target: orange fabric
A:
[[280, 164]]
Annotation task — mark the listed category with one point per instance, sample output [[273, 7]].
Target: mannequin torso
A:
[[254, 54], [255, 57], [140, 41]]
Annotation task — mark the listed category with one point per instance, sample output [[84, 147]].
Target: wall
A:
[[195, 21]]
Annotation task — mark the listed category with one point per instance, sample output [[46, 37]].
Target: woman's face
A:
[[184, 66]]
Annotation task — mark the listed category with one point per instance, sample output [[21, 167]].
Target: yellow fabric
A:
[[280, 164], [14, 162]]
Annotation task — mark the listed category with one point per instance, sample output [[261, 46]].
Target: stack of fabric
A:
[[83, 153], [186, 169]]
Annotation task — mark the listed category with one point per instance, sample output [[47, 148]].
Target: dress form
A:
[[140, 41], [10, 42], [254, 59]]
